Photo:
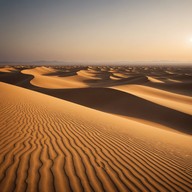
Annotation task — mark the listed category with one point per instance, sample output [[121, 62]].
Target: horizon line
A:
[[97, 62]]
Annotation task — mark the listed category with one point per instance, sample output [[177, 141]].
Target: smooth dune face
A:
[[174, 101], [79, 129], [154, 80], [49, 78]]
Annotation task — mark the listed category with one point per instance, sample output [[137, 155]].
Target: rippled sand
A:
[[95, 129]]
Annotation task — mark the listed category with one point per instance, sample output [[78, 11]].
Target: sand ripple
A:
[[48, 144]]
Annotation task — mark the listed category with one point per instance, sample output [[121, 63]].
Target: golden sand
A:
[[81, 130]]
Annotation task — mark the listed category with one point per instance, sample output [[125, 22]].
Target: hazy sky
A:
[[96, 30]]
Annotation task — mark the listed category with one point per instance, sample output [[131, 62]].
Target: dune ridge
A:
[[89, 77], [49, 78], [48, 144], [172, 100]]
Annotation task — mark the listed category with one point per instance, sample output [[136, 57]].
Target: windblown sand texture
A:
[[95, 128]]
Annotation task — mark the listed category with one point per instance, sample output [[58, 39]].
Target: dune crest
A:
[[7, 69], [50, 78], [42, 78]]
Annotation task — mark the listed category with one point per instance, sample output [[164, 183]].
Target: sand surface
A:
[[95, 129]]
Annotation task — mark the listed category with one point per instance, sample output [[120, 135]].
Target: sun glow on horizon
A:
[[83, 30]]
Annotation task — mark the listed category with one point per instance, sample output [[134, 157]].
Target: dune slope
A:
[[48, 144], [127, 105], [171, 100]]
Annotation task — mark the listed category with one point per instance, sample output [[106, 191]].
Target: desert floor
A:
[[95, 128]]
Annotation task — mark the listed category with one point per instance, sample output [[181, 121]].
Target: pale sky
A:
[[96, 30]]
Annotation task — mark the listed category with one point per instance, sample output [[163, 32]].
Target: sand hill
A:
[[130, 134]]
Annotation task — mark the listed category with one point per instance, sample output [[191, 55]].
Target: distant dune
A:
[[95, 129]]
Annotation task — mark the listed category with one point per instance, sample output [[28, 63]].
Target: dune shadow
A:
[[178, 88], [107, 82], [16, 78], [65, 73]]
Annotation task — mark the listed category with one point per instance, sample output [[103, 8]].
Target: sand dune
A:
[[48, 78], [7, 69], [44, 77], [108, 76], [125, 104], [135, 103], [174, 101], [167, 110], [95, 128], [50, 144], [154, 80]]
